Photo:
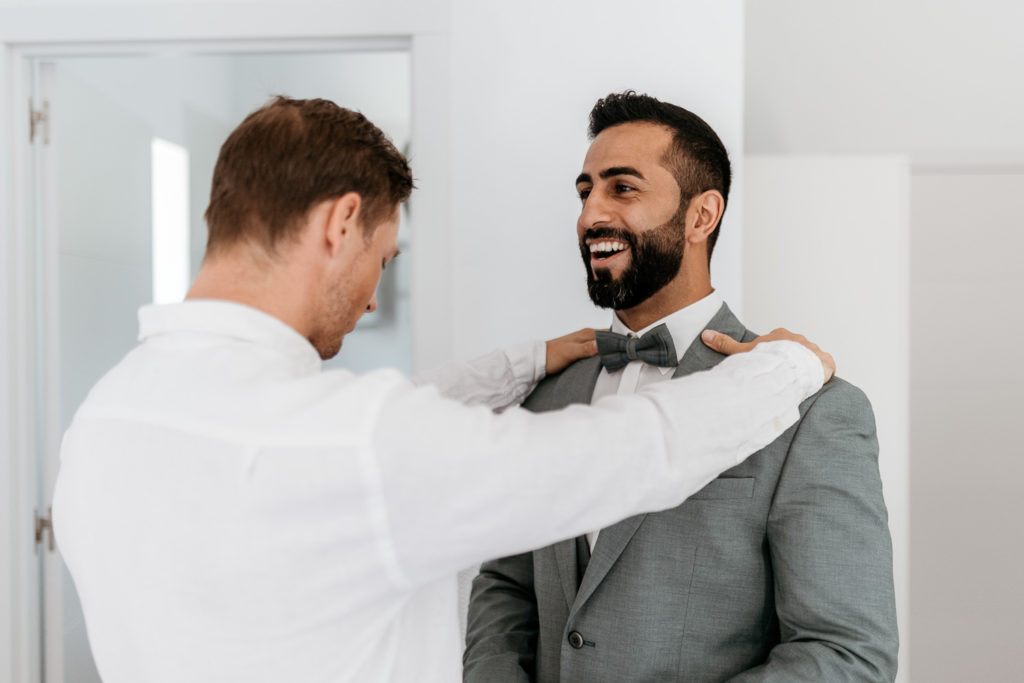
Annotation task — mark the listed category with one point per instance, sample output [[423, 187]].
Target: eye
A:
[[584, 194], [622, 188]]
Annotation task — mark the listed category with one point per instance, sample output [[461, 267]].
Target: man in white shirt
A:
[[230, 512], [778, 570]]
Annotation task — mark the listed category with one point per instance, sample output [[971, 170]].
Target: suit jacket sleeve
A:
[[501, 633], [831, 551]]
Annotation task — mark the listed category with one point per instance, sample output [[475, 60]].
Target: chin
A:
[[327, 353], [327, 347]]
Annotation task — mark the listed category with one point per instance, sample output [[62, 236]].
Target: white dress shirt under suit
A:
[[230, 512], [684, 325]]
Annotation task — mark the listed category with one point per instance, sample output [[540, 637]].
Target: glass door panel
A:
[[130, 134]]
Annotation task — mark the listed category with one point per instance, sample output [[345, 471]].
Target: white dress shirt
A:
[[231, 512], [497, 380], [684, 325]]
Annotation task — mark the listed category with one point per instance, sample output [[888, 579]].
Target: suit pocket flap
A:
[[726, 487]]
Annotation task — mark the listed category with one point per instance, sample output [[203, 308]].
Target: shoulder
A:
[[837, 395], [836, 426], [838, 399]]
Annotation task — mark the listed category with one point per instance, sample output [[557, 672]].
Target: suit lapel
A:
[[577, 383], [565, 561], [698, 355], [574, 385], [611, 542]]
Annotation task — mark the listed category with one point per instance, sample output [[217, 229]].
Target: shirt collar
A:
[[229, 319], [684, 324]]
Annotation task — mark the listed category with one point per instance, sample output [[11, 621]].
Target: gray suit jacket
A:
[[778, 570]]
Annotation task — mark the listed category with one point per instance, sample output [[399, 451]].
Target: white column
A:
[[826, 254]]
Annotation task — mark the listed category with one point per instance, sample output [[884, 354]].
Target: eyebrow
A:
[[611, 172]]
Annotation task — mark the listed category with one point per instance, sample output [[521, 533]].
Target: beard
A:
[[334, 319], [656, 256]]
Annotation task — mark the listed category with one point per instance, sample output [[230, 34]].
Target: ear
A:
[[703, 215], [341, 222]]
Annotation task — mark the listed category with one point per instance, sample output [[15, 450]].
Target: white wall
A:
[[524, 77], [826, 254], [935, 80], [967, 393]]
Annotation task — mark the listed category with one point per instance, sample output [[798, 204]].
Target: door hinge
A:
[[39, 119], [44, 526]]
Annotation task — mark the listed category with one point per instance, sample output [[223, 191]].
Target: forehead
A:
[[640, 144]]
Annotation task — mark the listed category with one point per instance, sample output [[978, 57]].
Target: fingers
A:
[[563, 351], [588, 343], [723, 343], [829, 363], [779, 334], [580, 344]]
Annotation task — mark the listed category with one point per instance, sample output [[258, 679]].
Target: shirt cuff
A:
[[527, 362], [540, 360], [810, 373]]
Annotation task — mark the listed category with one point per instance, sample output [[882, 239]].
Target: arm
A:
[[830, 548], [457, 485], [497, 380], [504, 378], [501, 634]]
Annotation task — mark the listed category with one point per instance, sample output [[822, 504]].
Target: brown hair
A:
[[292, 154]]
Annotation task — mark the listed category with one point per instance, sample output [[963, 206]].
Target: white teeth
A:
[[601, 247]]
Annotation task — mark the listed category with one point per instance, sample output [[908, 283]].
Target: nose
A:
[[372, 306], [595, 211]]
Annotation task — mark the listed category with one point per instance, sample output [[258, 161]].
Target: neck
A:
[[258, 281], [692, 284]]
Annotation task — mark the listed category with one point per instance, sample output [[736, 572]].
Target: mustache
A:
[[618, 234]]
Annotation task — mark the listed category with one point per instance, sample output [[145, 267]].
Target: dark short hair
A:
[[289, 155], [697, 157]]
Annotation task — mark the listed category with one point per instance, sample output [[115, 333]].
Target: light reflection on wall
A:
[[170, 221]]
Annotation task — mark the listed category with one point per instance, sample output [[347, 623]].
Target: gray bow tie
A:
[[655, 348]]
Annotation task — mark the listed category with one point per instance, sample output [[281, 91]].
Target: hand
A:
[[723, 343], [570, 348]]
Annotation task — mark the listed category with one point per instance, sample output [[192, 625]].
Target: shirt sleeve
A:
[[461, 485], [498, 380]]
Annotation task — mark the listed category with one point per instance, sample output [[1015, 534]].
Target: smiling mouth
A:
[[606, 249]]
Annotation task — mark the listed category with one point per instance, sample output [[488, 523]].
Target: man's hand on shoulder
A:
[[564, 351], [723, 343]]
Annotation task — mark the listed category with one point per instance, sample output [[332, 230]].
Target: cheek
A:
[[371, 279]]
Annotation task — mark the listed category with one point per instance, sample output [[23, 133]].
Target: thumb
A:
[[722, 343]]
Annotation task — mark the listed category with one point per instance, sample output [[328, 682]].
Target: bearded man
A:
[[780, 569]]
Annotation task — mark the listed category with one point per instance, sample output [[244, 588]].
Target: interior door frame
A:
[[28, 34]]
